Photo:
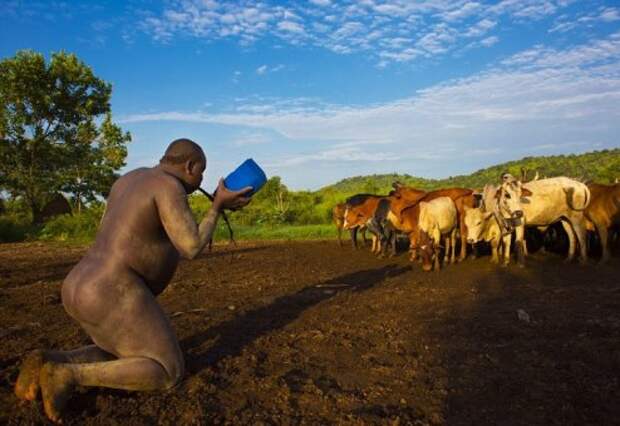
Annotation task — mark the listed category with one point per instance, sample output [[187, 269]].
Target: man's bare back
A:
[[111, 292]]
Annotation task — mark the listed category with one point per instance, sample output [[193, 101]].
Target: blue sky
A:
[[319, 90]]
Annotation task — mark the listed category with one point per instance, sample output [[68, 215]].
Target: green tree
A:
[[56, 131]]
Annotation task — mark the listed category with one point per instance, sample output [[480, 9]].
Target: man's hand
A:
[[232, 200]]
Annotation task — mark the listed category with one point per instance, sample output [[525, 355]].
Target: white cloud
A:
[[321, 2], [464, 11], [264, 69], [610, 14], [489, 41], [541, 99], [535, 98], [290, 26], [434, 27], [601, 16], [480, 28]]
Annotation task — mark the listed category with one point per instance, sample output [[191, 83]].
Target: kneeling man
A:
[[111, 292]]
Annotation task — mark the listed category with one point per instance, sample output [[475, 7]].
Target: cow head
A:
[[353, 217], [475, 220], [427, 250], [511, 197]]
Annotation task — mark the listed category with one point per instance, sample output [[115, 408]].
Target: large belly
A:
[[156, 263]]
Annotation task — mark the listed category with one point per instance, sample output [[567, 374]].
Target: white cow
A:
[[541, 203], [483, 226], [438, 218]]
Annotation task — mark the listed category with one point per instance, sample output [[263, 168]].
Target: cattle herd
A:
[[497, 214]]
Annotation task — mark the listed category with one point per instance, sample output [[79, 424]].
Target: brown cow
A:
[[338, 219], [604, 212], [359, 210], [405, 213]]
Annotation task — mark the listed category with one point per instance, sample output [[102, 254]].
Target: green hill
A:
[[597, 166]]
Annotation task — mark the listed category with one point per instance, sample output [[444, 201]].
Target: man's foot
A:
[[27, 385], [57, 383]]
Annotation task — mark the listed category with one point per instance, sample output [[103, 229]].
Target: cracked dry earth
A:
[[312, 333]]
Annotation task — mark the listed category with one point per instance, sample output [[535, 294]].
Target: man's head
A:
[[186, 160]]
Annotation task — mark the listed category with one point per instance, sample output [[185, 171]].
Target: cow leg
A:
[[364, 237], [507, 241], [453, 244], [580, 231], [603, 235], [436, 237], [571, 240], [413, 247], [463, 232], [520, 242], [437, 262], [393, 244], [353, 232], [474, 251], [494, 250], [446, 256]]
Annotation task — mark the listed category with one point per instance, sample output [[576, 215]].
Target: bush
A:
[[79, 228], [15, 228]]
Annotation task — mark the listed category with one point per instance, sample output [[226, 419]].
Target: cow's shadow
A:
[[235, 334]]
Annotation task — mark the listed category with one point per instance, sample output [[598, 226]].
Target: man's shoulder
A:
[[162, 181]]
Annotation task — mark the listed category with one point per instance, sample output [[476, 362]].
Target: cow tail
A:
[[569, 198]]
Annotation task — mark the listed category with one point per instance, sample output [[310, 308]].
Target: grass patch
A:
[[277, 232], [82, 229]]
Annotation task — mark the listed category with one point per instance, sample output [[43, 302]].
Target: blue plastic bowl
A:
[[247, 174]]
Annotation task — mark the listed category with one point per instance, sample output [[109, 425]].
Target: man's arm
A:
[[176, 217]]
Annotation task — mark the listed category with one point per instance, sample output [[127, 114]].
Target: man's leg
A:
[[137, 332], [27, 385]]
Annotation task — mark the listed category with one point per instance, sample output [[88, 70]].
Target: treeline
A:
[[277, 212], [275, 204]]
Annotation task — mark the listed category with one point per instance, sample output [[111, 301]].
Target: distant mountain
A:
[[598, 166]]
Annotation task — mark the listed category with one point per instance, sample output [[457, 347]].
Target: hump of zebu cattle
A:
[[357, 199]]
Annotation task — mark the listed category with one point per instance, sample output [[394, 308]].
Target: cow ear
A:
[[526, 192]]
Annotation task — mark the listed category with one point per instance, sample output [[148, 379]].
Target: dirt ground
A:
[[311, 333]]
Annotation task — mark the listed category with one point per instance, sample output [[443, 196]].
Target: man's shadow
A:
[[233, 335]]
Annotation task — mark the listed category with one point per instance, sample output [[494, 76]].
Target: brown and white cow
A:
[[437, 220], [359, 211], [404, 211], [541, 203], [604, 212]]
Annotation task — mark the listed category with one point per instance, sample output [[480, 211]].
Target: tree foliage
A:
[[56, 130]]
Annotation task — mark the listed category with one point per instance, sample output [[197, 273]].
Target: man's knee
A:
[[175, 372]]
